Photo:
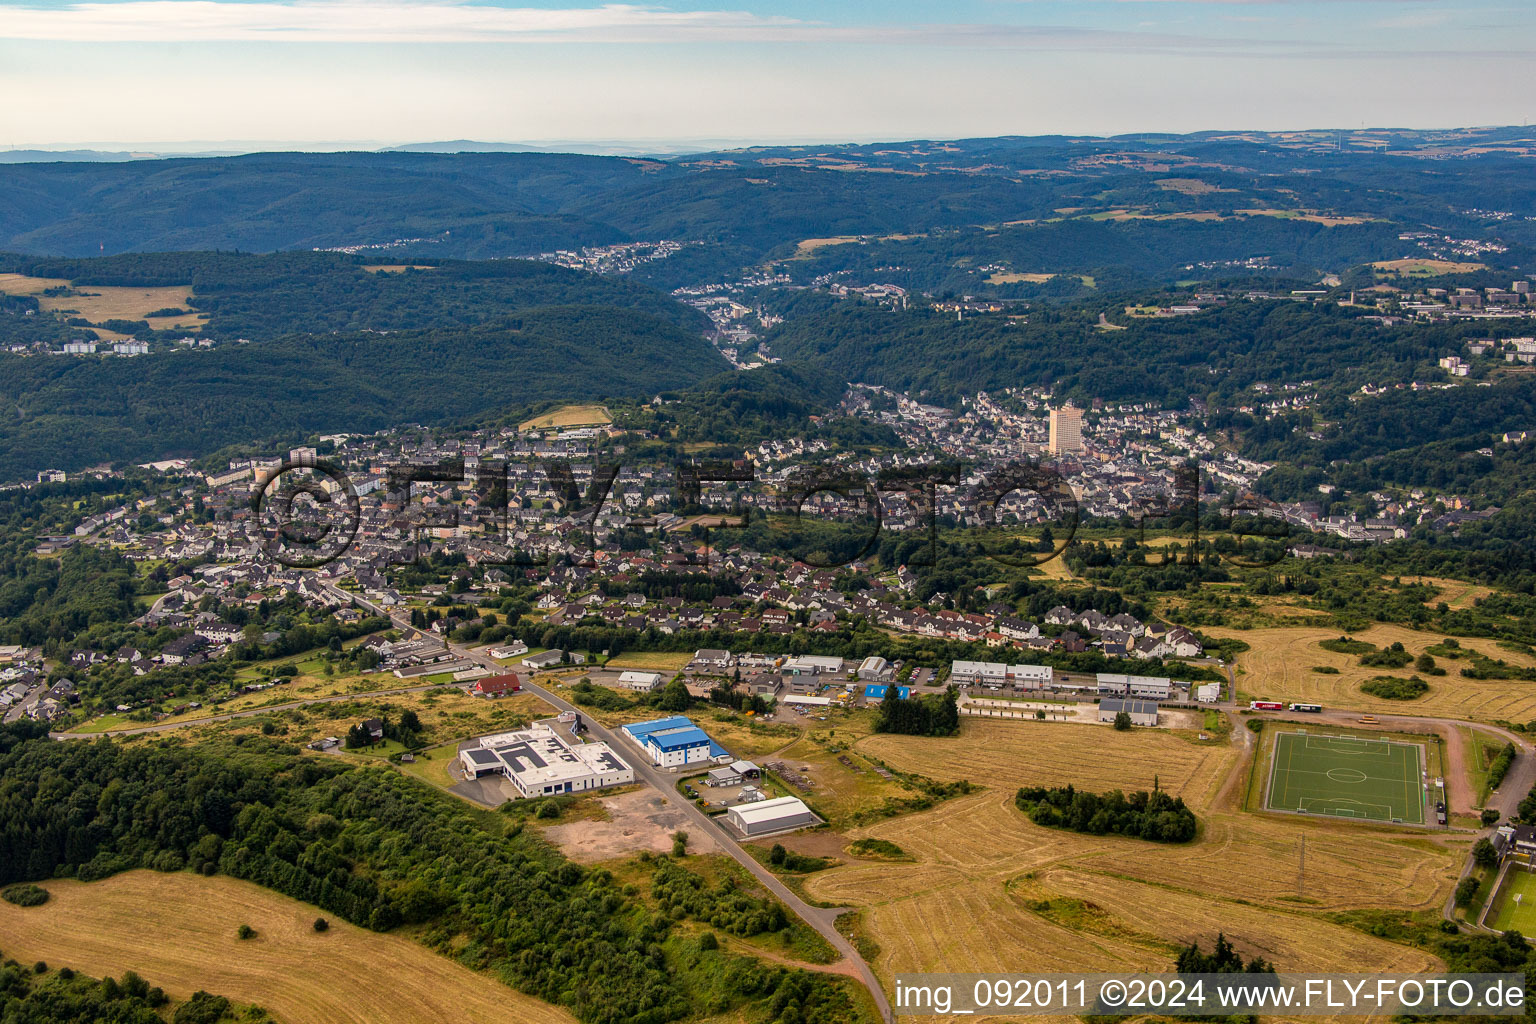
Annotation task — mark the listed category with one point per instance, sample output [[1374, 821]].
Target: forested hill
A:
[[1216, 354], [264, 296], [745, 205], [71, 413]]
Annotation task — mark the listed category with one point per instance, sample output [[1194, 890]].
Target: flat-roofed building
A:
[[984, 673], [540, 762], [1031, 677], [1142, 712], [1066, 430]]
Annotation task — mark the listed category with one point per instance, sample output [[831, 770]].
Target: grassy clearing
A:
[[98, 303], [178, 930]]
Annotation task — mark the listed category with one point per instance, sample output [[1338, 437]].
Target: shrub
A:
[[1393, 688], [25, 894], [548, 809], [1499, 767], [875, 848], [246, 932], [1489, 816], [1392, 657], [707, 941], [1325, 670], [321, 924]]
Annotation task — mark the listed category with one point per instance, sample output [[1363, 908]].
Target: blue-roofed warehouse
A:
[[878, 692], [673, 742]]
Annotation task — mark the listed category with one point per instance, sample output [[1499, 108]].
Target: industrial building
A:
[[875, 670], [644, 682], [673, 742], [1113, 684], [1142, 712], [879, 692], [996, 675], [1208, 693], [767, 817], [813, 664], [540, 762]]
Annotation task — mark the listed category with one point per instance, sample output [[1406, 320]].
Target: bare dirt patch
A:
[[642, 820]]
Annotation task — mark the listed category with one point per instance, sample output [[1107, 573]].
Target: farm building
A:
[[539, 762], [642, 681], [767, 817], [1113, 684], [497, 686], [1142, 712], [673, 742], [875, 670]]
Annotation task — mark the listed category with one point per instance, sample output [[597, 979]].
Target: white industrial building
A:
[[985, 673], [1031, 677], [813, 664], [645, 682], [1208, 693], [996, 675], [875, 670], [540, 762], [1142, 712], [1113, 684], [767, 817]]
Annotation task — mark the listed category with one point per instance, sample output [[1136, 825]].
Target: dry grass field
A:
[[1280, 664], [1056, 753], [1427, 268], [990, 891], [395, 268], [1005, 278], [97, 303], [569, 416], [651, 661], [178, 931]]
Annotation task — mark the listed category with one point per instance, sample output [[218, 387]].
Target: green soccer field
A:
[[1519, 915], [1348, 777]]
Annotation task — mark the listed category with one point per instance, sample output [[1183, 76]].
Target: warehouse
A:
[[875, 670], [1208, 693], [539, 762], [768, 817], [879, 692], [1142, 712], [673, 742], [644, 682], [1113, 684]]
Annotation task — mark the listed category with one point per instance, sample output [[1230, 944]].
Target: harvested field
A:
[[990, 890], [569, 416], [1427, 268], [1055, 753], [178, 931], [1279, 666]]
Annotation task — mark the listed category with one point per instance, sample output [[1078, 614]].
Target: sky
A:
[[257, 74]]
